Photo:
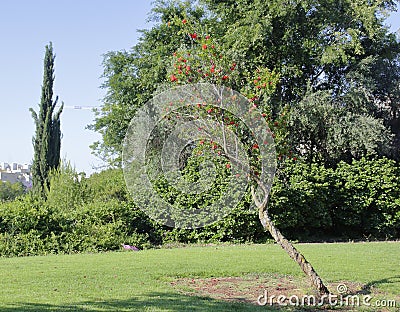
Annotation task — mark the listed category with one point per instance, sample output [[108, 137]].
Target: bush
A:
[[10, 191], [357, 200]]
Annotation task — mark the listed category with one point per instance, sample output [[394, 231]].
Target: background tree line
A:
[[335, 105], [357, 201]]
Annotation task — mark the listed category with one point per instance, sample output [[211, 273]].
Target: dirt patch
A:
[[249, 288], [242, 289]]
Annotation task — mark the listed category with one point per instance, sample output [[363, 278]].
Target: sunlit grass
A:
[[140, 281]]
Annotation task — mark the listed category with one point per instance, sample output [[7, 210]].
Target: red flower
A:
[[204, 46], [225, 77], [201, 142], [184, 21], [173, 78], [193, 36], [207, 37], [228, 166], [255, 146]]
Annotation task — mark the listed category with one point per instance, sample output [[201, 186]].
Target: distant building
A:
[[4, 166], [16, 173]]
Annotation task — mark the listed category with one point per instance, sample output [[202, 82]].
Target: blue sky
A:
[[81, 32]]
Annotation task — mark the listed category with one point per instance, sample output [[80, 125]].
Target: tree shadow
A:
[[367, 288], [153, 301]]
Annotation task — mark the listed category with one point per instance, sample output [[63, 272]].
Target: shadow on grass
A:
[[367, 289], [152, 302]]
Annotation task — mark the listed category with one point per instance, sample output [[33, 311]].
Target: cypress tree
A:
[[47, 139]]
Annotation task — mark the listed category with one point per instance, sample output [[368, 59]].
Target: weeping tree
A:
[[47, 138]]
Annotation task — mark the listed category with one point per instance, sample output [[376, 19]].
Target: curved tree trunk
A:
[[291, 250]]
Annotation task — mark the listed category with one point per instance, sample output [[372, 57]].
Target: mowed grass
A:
[[141, 281]]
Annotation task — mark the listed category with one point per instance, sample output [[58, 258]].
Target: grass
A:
[[141, 281]]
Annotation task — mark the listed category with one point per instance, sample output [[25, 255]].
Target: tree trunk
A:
[[292, 251]]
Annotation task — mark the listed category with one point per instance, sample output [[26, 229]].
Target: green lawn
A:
[[141, 281]]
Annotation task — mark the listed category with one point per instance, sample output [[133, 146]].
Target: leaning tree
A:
[[227, 132]]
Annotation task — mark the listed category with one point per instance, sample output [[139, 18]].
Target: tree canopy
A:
[[339, 54]]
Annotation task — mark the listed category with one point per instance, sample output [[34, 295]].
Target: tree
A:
[[327, 129], [313, 46], [342, 48], [47, 138], [203, 61], [309, 45], [132, 77]]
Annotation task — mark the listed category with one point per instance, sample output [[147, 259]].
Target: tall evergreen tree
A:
[[47, 139]]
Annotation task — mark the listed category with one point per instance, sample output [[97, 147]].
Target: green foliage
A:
[[79, 214], [10, 191], [360, 199], [106, 185], [308, 201], [132, 77], [340, 54], [369, 194], [47, 139], [328, 129]]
